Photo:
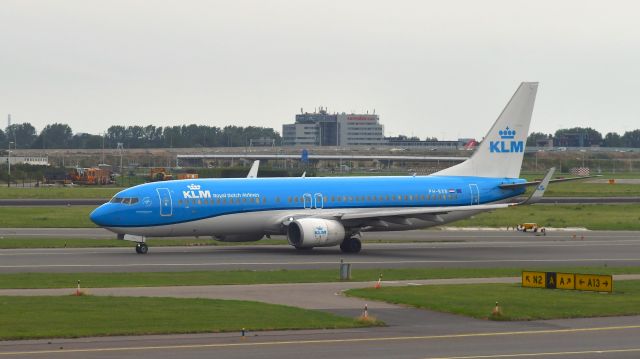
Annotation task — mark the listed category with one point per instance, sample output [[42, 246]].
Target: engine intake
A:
[[315, 232]]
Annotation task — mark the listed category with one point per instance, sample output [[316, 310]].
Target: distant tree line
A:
[[58, 135], [586, 137]]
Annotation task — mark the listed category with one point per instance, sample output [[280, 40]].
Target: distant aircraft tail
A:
[[501, 151]]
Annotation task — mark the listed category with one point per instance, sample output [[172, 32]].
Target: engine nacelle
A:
[[248, 237], [315, 232]]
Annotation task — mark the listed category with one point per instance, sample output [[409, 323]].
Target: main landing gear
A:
[[141, 248], [351, 245]]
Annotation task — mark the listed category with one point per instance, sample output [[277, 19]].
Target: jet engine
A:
[[315, 232]]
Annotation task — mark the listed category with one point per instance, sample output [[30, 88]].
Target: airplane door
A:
[[308, 201], [166, 207], [475, 194], [319, 200]]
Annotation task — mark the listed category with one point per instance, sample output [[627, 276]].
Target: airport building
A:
[[324, 129], [30, 160]]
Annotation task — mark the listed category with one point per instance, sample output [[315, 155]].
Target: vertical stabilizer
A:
[[501, 151]]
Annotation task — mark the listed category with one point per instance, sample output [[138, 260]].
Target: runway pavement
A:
[[429, 248], [411, 333]]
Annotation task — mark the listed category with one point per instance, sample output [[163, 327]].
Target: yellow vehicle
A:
[[159, 174], [529, 226], [534, 227]]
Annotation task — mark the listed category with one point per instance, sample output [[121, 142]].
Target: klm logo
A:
[[507, 144], [320, 232], [195, 192]]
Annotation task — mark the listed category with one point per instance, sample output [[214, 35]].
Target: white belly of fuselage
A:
[[269, 222]]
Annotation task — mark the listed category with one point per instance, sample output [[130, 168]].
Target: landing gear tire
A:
[[141, 248], [351, 245]]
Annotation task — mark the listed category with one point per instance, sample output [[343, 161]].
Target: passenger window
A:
[[244, 200], [264, 199], [289, 199], [339, 199], [295, 199], [179, 202], [277, 199]]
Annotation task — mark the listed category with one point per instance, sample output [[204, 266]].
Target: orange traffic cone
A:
[[497, 311], [379, 283]]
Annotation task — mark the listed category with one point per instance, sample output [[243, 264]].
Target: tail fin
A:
[[501, 151]]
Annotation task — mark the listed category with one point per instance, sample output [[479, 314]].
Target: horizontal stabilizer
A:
[[535, 183], [539, 192]]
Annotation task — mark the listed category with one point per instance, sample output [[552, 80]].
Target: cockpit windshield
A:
[[124, 200]]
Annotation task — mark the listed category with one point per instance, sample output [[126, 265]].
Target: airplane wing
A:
[[401, 215]]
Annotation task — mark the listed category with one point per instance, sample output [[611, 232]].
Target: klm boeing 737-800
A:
[[332, 211]]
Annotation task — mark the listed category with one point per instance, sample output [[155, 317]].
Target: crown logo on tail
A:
[[507, 133]]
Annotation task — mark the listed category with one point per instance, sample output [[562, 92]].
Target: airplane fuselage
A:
[[255, 206]]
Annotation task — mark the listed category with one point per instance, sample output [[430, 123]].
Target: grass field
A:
[[478, 300], [159, 279], [46, 217], [70, 316], [594, 217], [58, 192]]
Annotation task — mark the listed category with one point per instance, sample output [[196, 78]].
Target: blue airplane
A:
[[332, 211]]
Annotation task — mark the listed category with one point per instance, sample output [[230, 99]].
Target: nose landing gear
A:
[[141, 247]]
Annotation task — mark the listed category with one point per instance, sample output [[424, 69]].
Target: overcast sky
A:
[[428, 68]]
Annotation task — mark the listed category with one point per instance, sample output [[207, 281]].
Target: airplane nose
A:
[[97, 216]]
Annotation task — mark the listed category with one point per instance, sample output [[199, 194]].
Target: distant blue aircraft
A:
[[332, 211]]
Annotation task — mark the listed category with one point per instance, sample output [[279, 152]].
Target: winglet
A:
[[539, 192], [253, 172]]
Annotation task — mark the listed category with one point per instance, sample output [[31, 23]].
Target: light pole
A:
[[9, 165]]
